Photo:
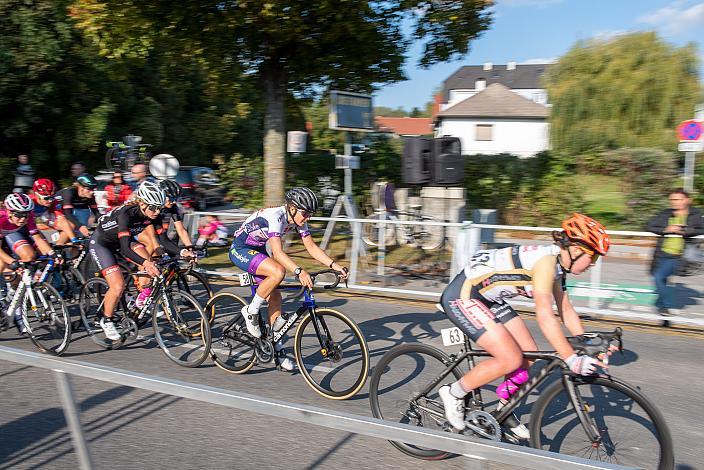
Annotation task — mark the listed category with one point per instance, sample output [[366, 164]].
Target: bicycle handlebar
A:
[[338, 278], [594, 343]]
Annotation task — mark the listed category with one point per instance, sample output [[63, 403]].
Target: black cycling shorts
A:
[[104, 257], [472, 312]]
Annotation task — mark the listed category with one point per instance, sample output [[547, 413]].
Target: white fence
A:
[[465, 239], [478, 451]]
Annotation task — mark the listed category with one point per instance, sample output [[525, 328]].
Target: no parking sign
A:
[[690, 130]]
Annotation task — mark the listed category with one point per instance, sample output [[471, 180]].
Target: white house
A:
[[496, 110]]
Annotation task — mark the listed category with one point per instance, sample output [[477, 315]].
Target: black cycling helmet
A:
[[172, 189], [303, 198], [87, 181]]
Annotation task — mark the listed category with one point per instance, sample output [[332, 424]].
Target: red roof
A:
[[404, 125]]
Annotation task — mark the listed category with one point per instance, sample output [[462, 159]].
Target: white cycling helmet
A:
[[18, 202], [151, 193]]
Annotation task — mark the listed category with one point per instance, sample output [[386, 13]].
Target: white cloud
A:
[[528, 3], [676, 18], [607, 35], [539, 60]]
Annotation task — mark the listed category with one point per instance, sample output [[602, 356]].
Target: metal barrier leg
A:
[[73, 419]]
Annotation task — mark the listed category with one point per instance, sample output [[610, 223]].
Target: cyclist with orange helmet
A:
[[48, 211], [475, 301]]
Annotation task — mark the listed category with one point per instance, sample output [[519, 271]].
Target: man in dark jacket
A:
[[676, 225]]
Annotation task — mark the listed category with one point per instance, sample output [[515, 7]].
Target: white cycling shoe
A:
[[109, 329], [454, 408], [252, 322]]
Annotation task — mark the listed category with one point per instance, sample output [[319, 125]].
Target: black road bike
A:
[[180, 325], [599, 417], [330, 349]]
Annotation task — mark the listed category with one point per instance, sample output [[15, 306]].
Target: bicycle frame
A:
[[475, 398], [25, 290]]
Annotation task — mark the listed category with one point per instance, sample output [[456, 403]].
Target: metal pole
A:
[[382, 244], [595, 280], [73, 419], [688, 171]]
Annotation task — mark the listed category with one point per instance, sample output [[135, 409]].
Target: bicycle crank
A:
[[128, 327], [483, 424], [264, 350]]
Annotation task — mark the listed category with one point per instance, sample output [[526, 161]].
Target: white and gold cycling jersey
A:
[[514, 271]]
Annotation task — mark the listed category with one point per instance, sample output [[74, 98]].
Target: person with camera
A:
[[676, 226]]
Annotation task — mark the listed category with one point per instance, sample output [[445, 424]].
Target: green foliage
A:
[[243, 177], [698, 196], [630, 91]]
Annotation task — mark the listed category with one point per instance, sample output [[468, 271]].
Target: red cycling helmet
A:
[[44, 187], [586, 231]]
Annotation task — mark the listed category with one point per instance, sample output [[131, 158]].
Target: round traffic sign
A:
[[690, 130]]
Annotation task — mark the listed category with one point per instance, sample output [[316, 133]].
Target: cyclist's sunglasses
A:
[[19, 215], [46, 198], [154, 208], [306, 214]]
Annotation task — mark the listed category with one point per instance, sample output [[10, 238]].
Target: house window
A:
[[485, 131]]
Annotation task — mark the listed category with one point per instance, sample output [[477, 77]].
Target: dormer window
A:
[[480, 84]]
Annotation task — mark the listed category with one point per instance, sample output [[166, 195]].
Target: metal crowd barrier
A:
[[466, 241], [480, 452]]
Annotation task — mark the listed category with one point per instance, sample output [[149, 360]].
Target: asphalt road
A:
[[129, 428]]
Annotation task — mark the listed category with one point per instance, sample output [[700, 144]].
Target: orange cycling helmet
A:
[[586, 231]]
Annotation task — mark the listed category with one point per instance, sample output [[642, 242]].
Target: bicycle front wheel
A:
[[196, 284], [632, 432], [395, 392], [332, 354], [428, 237], [47, 321], [371, 232], [181, 328], [233, 348]]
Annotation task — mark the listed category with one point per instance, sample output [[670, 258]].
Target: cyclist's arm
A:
[[277, 252], [125, 238], [163, 240], [5, 258], [316, 252], [543, 280], [567, 312], [183, 233]]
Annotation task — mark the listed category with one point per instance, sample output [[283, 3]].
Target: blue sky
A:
[[536, 31]]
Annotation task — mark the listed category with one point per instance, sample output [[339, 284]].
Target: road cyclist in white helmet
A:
[[116, 231], [248, 252], [475, 301], [20, 236]]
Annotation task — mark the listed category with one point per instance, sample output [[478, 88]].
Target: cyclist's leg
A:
[[21, 246], [64, 227], [274, 301], [146, 242], [106, 263], [480, 324]]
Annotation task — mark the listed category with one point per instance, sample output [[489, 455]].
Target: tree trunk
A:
[[274, 135]]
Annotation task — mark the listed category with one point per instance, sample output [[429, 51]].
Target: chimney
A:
[[488, 65], [511, 66]]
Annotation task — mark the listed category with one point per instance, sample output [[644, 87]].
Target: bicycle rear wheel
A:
[[233, 348], [47, 322], [91, 307], [633, 432], [181, 328], [332, 354], [398, 377]]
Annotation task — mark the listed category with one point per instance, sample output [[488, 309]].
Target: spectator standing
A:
[[139, 174], [117, 192], [24, 175], [77, 169], [676, 226]]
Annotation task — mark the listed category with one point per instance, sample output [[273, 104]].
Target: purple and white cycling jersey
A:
[[265, 224]]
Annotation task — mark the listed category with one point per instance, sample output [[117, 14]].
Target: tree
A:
[[291, 47], [630, 91]]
